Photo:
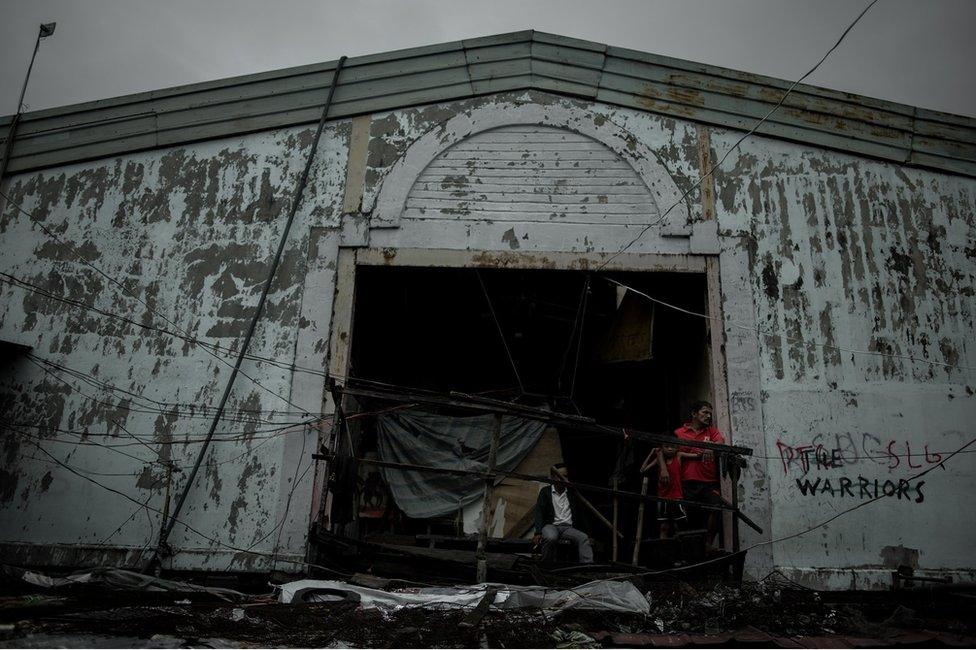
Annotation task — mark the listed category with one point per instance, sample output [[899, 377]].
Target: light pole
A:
[[45, 30]]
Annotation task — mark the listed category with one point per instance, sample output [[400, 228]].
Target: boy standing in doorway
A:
[[669, 513]]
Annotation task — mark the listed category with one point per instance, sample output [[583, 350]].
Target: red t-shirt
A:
[[694, 469], [673, 489]]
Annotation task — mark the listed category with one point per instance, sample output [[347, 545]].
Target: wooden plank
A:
[[496, 85], [523, 172], [639, 535], [412, 256], [528, 207], [525, 35], [474, 617], [566, 41], [531, 153], [944, 148], [553, 85], [500, 69], [560, 53], [520, 496], [482, 558], [618, 165], [28, 144], [555, 218], [616, 521], [548, 187], [456, 76], [444, 72], [946, 131], [771, 128], [498, 144], [553, 200], [693, 81], [564, 72], [718, 374], [754, 110], [749, 78]]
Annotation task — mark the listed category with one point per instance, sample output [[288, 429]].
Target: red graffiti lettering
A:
[[893, 460], [784, 451]]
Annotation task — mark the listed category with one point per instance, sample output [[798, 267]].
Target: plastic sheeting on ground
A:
[[600, 595], [419, 438], [117, 579]]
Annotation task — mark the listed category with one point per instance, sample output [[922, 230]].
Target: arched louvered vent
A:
[[531, 173]]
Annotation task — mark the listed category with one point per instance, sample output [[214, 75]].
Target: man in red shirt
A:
[[699, 472]]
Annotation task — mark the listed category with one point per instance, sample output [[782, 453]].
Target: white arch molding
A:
[[390, 201]]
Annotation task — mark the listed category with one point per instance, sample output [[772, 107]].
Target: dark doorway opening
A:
[[569, 341]]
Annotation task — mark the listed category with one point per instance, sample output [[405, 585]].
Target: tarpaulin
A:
[[600, 595], [448, 442], [116, 579]]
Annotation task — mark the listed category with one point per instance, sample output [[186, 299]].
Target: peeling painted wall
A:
[[189, 232], [871, 257], [815, 248]]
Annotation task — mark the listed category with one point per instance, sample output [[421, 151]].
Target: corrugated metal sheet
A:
[[531, 172], [519, 60]]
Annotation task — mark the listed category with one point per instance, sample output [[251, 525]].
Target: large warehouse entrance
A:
[[571, 342]]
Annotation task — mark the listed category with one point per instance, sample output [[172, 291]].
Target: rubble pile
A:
[[770, 605], [770, 612]]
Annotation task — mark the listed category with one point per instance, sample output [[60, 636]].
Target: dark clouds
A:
[[913, 52]]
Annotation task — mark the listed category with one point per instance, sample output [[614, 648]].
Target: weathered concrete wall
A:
[[189, 231], [815, 246], [818, 249], [873, 257]]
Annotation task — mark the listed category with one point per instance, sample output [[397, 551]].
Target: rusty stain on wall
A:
[[190, 231], [842, 256]]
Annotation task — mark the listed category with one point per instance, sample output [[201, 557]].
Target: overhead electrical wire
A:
[[162, 545], [695, 185], [154, 407], [122, 287], [20, 283], [735, 146], [810, 529], [646, 573], [785, 337], [240, 436], [185, 525]]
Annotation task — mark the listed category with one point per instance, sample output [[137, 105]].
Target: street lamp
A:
[[45, 30]]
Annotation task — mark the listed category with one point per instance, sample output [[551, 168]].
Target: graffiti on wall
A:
[[858, 454]]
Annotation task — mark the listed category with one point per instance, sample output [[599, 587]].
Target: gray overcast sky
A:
[[911, 51]]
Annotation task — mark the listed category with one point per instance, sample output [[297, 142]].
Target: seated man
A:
[[558, 514]]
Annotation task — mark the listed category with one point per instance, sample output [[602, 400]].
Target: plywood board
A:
[[520, 496]]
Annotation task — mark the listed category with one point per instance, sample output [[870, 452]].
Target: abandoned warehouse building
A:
[[512, 253]]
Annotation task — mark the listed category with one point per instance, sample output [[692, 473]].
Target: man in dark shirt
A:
[[559, 515]]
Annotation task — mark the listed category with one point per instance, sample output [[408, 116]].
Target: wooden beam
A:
[[376, 390], [482, 558], [616, 514], [497, 473], [639, 535]]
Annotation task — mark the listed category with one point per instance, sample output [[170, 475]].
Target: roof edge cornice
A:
[[481, 66]]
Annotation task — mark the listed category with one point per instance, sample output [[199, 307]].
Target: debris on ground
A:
[[598, 595], [772, 612]]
